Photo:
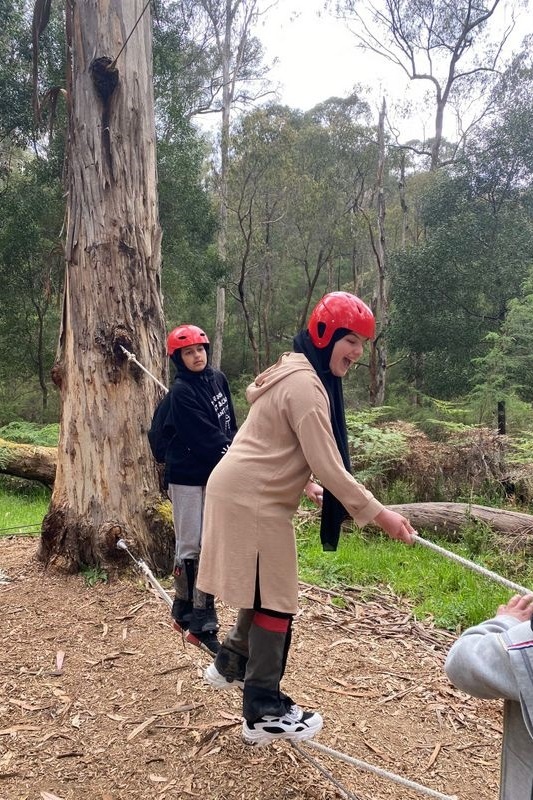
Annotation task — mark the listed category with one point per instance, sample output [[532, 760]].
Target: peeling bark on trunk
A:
[[106, 485]]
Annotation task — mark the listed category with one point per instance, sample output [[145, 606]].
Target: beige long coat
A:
[[254, 491]]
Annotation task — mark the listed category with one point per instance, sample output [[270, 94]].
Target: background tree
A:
[[230, 24], [434, 42], [190, 265], [454, 288], [16, 116], [380, 300], [296, 185], [31, 272], [32, 214]]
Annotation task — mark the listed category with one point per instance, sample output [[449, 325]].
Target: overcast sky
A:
[[317, 57]]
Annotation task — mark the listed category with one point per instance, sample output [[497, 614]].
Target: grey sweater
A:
[[495, 660]]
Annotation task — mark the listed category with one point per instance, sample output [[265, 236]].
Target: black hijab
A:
[[333, 512], [186, 374]]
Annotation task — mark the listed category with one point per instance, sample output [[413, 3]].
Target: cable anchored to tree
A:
[[111, 66], [133, 357]]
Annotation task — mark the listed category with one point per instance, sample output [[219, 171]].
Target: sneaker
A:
[[218, 681], [295, 724]]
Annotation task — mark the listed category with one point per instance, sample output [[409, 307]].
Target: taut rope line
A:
[[472, 565], [383, 773], [344, 792]]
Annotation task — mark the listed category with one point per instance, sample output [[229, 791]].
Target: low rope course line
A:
[[343, 791], [487, 573], [383, 773]]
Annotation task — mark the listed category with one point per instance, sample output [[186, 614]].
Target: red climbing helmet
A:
[[185, 336], [340, 310]]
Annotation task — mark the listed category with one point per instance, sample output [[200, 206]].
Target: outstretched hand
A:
[[519, 606], [395, 525]]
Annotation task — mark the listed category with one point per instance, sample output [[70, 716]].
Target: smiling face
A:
[[194, 357], [346, 352]]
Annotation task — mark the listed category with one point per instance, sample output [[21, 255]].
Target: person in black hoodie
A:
[[202, 424]]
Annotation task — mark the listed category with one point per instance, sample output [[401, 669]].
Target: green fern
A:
[[31, 433], [373, 449]]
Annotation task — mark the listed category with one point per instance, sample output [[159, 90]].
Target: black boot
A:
[[268, 652], [182, 605], [231, 665], [232, 657], [204, 622], [181, 613]]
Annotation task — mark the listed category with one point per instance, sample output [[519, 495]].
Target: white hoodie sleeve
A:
[[479, 664]]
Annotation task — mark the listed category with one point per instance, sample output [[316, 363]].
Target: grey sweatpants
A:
[[187, 512]]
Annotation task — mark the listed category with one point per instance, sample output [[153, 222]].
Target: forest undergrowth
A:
[[401, 464]]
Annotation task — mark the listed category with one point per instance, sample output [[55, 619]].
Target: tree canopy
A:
[[300, 196]]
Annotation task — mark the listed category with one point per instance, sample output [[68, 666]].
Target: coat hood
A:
[[287, 364]]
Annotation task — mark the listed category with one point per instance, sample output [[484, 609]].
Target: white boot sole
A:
[[217, 681]]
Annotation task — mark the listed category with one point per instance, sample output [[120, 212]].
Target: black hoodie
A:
[[202, 415]]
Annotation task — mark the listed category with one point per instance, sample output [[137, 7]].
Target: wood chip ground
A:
[[101, 700]]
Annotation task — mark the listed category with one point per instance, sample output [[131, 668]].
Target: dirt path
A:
[[100, 700]]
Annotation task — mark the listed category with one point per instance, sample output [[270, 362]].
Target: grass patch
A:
[[23, 505], [453, 596], [31, 433]]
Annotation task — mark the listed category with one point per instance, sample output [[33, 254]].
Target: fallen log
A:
[[28, 461], [449, 518]]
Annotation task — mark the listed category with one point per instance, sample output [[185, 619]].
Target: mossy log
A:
[[28, 461], [449, 518]]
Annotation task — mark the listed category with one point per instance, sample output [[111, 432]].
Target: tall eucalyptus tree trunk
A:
[[106, 483], [227, 99], [230, 24], [378, 351]]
